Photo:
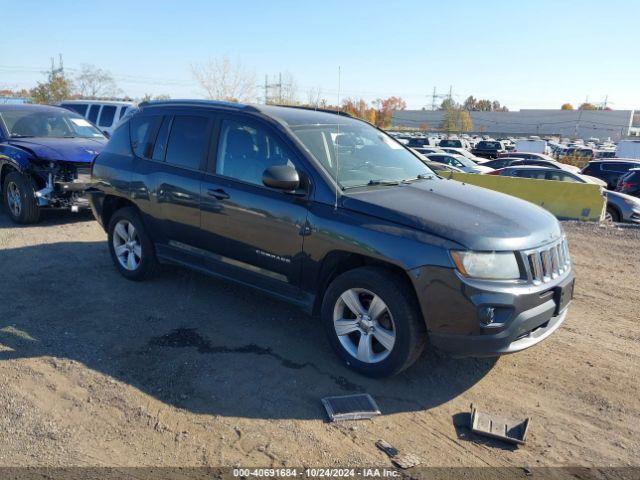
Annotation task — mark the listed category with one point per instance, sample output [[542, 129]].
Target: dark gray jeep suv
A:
[[330, 213]]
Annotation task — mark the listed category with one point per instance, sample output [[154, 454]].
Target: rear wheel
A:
[[131, 249], [372, 321], [20, 198]]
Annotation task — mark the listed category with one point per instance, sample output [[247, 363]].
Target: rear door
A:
[[171, 152], [251, 231]]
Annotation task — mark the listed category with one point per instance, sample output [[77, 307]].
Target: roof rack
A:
[[314, 109], [202, 103]]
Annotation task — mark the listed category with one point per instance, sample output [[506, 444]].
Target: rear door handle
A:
[[218, 193]]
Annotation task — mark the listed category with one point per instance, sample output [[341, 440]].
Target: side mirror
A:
[[106, 134], [281, 177]]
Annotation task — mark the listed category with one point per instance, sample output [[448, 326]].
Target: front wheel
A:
[[373, 322], [131, 249], [20, 198], [612, 215]]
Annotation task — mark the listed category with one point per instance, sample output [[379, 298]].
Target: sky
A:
[[525, 54]]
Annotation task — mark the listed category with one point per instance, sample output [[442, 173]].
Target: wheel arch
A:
[[111, 204], [337, 262]]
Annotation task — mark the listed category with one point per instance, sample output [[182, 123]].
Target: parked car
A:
[[532, 145], [630, 183], [464, 152], [458, 161], [420, 142], [610, 170], [620, 208], [332, 214], [441, 167], [503, 162], [104, 114], [489, 149], [428, 150], [453, 142], [45, 159]]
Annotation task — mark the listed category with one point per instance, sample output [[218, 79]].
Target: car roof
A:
[[32, 107], [615, 160], [99, 102], [289, 115]]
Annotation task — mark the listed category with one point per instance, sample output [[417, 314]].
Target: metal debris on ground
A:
[[404, 461], [386, 448], [512, 431], [350, 407]]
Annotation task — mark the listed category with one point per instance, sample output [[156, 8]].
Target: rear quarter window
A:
[[142, 131]]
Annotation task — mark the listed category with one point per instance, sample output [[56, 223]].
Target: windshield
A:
[[51, 123], [358, 154]]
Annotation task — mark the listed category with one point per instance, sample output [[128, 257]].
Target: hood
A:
[[478, 218], [483, 169], [67, 149]]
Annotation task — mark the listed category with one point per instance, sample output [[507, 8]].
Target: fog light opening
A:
[[487, 315]]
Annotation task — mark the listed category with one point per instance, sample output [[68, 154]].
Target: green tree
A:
[[55, 89]]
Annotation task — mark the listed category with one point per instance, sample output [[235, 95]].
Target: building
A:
[[585, 124]]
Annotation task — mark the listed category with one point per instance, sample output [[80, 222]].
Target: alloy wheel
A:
[[14, 199], [364, 325], [126, 245]]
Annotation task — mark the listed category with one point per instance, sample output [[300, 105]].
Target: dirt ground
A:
[[185, 370]]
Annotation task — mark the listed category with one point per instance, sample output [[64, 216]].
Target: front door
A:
[[254, 232]]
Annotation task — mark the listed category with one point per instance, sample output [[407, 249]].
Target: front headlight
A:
[[488, 265]]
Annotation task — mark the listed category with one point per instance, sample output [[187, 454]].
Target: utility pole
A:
[[450, 92], [278, 86], [433, 99], [266, 89]]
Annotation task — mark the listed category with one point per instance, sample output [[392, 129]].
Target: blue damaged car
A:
[[45, 159]]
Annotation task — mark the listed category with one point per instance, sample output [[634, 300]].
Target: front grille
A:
[[548, 262]]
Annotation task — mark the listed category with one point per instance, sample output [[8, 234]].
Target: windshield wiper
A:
[[383, 182]]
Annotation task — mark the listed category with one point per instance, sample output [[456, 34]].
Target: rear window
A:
[[617, 166], [490, 145], [107, 115], [187, 141]]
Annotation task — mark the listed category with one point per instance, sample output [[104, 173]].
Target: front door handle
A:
[[218, 193]]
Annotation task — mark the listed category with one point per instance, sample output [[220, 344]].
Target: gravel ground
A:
[[185, 370]]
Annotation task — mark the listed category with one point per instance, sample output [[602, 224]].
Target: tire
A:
[[132, 251], [19, 195], [401, 318], [612, 214]]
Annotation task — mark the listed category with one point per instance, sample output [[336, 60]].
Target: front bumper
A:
[[525, 314]]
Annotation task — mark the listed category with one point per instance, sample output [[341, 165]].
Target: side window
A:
[[123, 110], [107, 115], [80, 108], [141, 130], [188, 141], [245, 151], [160, 147], [93, 113]]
